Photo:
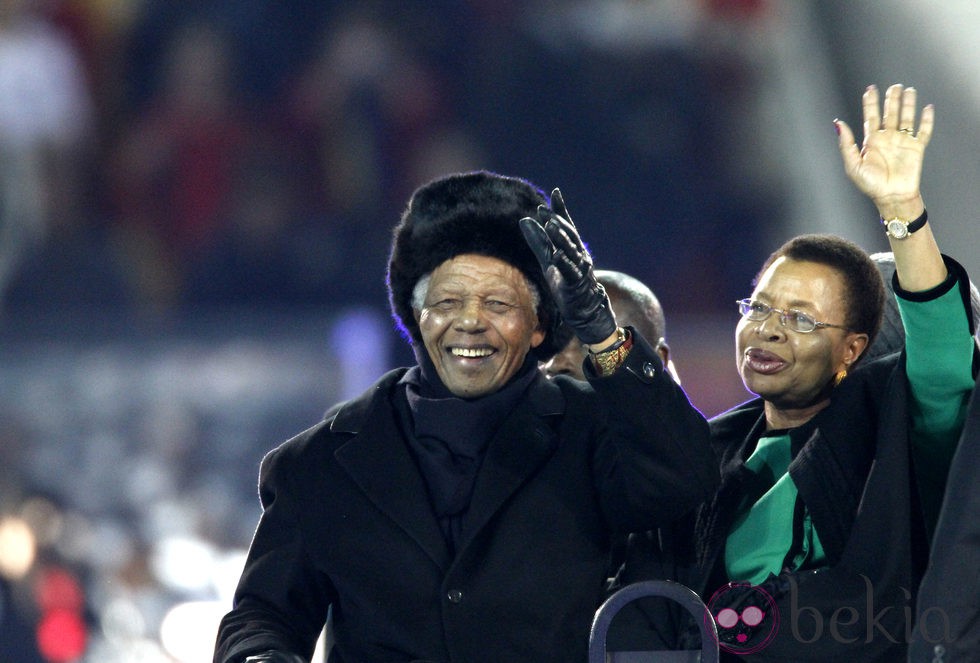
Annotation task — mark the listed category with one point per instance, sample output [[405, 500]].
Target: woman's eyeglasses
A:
[[795, 320]]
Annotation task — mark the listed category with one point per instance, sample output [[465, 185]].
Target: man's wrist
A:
[[614, 355], [611, 342]]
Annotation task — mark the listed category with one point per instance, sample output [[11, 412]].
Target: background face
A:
[[568, 361]]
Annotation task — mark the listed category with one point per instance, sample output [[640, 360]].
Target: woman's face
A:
[[791, 370], [478, 322]]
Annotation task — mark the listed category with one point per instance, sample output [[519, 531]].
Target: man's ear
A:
[[664, 351], [538, 335]]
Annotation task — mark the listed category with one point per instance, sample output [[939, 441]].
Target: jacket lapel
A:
[[731, 445], [378, 461], [523, 442]]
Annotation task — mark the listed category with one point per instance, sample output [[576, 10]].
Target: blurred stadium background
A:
[[196, 197]]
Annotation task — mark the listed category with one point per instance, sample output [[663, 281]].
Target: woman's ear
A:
[[856, 345]]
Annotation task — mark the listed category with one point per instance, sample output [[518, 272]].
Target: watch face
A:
[[897, 229]]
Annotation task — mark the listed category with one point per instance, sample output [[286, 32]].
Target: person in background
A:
[[47, 137], [464, 508], [635, 305], [813, 546]]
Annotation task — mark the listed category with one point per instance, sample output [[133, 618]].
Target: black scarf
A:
[[448, 436]]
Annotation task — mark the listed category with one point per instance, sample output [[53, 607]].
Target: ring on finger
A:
[[907, 130]]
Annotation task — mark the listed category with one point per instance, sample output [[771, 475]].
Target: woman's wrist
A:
[[906, 209]]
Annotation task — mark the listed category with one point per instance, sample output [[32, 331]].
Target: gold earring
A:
[[839, 377]]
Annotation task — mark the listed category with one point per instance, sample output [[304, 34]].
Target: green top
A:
[[939, 367]]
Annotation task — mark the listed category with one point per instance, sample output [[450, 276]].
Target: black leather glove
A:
[[273, 657], [567, 266]]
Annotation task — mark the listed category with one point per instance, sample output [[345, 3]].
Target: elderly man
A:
[[636, 306], [463, 509]]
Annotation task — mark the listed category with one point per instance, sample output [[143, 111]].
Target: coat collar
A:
[[379, 462], [832, 454], [521, 445]]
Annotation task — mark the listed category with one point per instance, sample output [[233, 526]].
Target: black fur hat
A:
[[479, 213]]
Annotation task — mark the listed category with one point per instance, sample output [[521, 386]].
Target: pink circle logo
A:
[[746, 617]]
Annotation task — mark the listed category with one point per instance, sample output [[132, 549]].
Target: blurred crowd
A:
[[161, 156], [161, 161]]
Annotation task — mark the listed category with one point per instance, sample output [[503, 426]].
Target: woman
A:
[[832, 477], [813, 545]]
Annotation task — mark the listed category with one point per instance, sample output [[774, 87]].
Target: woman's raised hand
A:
[[888, 166]]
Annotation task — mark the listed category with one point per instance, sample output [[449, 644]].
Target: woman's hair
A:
[[864, 291]]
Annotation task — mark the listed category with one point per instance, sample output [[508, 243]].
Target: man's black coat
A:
[[347, 525]]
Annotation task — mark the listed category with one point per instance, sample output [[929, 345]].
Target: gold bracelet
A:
[[608, 360]]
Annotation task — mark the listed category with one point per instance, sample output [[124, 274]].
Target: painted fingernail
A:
[[837, 126]]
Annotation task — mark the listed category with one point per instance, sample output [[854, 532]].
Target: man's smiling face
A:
[[478, 321]]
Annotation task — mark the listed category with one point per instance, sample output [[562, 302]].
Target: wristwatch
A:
[[900, 229]]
